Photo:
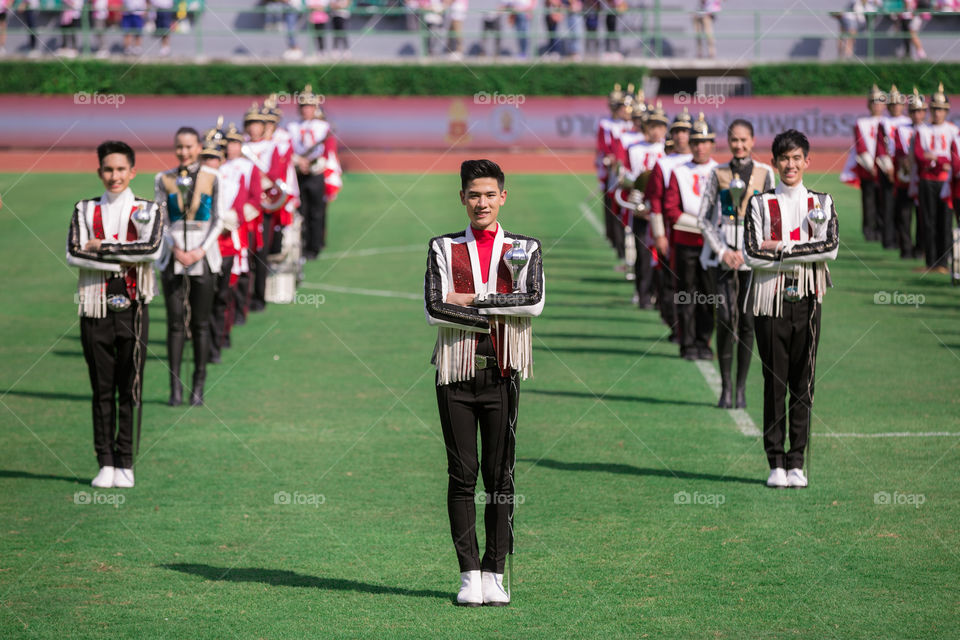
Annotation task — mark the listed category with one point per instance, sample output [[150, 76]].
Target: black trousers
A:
[[886, 207], [224, 302], [489, 403], [904, 221], [202, 290], [868, 203], [694, 286], [665, 281], [617, 231], [608, 216], [734, 325], [937, 224], [313, 206], [788, 350], [108, 345], [272, 240], [643, 268]]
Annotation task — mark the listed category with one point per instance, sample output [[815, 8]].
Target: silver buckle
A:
[[118, 302]]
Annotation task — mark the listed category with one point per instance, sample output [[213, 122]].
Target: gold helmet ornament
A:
[[939, 99], [916, 101], [895, 97], [308, 97], [253, 114], [682, 121], [701, 130]]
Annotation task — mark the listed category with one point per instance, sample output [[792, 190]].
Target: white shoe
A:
[[123, 478], [777, 479], [165, 52], [796, 479], [494, 594], [470, 595], [104, 479]]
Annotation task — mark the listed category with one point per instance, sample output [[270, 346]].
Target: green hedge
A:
[[342, 79], [55, 77], [852, 78]]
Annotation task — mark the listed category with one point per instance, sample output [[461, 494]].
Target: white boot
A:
[[104, 479], [796, 479], [470, 593], [494, 594], [777, 479], [123, 478]]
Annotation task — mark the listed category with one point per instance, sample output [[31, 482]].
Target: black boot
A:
[[201, 353], [196, 395], [726, 399], [175, 355], [725, 359]]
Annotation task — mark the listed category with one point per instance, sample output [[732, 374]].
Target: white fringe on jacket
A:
[[92, 289], [456, 348]]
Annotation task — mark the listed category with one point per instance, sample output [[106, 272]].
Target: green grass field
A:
[[334, 404]]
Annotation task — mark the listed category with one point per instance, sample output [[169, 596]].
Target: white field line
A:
[[361, 292]]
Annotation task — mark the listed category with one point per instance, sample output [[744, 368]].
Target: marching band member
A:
[[931, 152], [318, 170], [722, 210], [681, 206], [906, 180], [677, 150], [240, 188], [861, 167], [260, 232], [789, 235], [113, 240], [187, 196], [886, 170], [481, 294], [639, 161]]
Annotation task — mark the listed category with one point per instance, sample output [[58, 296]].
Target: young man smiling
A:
[[789, 234], [113, 240], [483, 350]]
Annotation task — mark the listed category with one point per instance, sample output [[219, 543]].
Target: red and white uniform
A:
[[681, 202], [935, 139], [240, 190], [863, 156], [903, 157], [314, 140], [281, 168], [657, 187], [955, 167]]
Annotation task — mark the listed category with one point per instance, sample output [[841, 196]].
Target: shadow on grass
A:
[[608, 351], [595, 336], [11, 473], [284, 578], [59, 395], [619, 398], [627, 469]]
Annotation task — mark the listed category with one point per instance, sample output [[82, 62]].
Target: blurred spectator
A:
[[291, 12], [318, 17], [166, 21], [553, 15], [457, 13], [340, 10], [852, 21], [69, 25], [613, 8], [574, 29], [519, 12], [132, 25], [430, 22], [910, 22], [703, 21], [29, 8], [491, 29], [4, 7], [99, 13], [591, 18]]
